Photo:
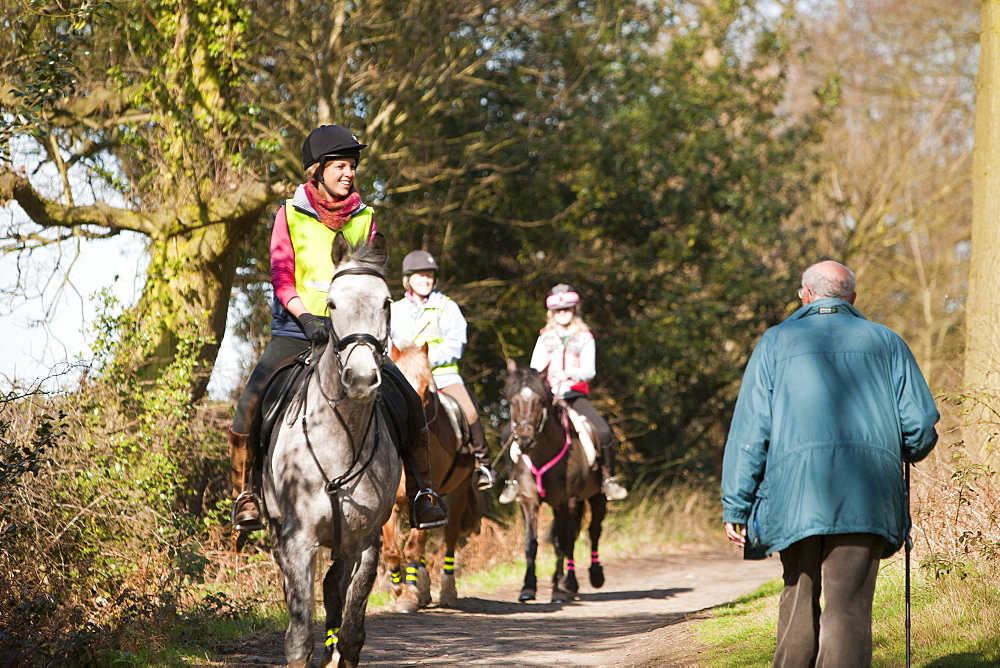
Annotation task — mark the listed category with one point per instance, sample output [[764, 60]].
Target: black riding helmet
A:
[[330, 141], [327, 142]]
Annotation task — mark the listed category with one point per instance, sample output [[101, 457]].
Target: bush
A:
[[110, 501]]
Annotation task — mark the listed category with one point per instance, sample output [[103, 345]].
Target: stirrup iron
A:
[[489, 479], [509, 492], [247, 527], [440, 504]]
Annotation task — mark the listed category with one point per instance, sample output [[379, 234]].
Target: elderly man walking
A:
[[830, 407]]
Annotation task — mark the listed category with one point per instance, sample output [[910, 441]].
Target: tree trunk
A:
[[982, 356], [193, 254], [186, 296]]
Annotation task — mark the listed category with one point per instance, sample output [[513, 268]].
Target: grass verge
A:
[[955, 621]]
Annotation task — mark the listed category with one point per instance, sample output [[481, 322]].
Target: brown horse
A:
[[552, 468], [452, 468]]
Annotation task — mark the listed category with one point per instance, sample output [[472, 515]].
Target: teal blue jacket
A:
[[830, 407]]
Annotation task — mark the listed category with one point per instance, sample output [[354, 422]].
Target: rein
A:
[[379, 347], [334, 485], [538, 472]]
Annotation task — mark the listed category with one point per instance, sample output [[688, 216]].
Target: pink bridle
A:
[[539, 472]]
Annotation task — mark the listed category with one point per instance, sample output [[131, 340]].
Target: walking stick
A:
[[909, 544]]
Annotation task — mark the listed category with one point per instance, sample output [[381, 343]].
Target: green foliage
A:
[[46, 43], [101, 546], [640, 156]]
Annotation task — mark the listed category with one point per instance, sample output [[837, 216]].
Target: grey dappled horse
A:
[[331, 477], [552, 469]]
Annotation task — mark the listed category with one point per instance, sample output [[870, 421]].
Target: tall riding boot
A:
[[485, 476], [246, 505], [611, 488], [424, 512]]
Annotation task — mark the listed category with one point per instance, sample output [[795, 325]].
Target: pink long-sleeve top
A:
[[283, 254]]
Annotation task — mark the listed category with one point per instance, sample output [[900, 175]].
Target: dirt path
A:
[[637, 618]]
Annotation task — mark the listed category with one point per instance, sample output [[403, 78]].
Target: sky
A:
[[49, 301], [47, 326]]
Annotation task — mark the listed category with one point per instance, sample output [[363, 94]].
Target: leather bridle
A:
[[340, 343]]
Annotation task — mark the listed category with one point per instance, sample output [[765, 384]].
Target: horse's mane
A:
[[414, 363], [363, 254], [522, 377], [371, 255]]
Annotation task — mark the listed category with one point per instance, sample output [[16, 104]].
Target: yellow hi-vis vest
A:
[[312, 242], [426, 329]]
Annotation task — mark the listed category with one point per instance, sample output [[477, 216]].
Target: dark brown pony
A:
[[452, 466], [552, 468]]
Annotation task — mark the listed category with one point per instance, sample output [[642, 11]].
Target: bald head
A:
[[828, 279]]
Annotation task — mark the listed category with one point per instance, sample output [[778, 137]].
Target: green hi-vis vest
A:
[[312, 242], [426, 329]]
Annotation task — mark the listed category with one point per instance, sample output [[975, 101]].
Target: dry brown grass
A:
[[955, 506]]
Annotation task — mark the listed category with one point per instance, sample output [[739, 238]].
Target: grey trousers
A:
[[844, 568]]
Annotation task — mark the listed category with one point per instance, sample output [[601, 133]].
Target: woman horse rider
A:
[[566, 349], [326, 205], [425, 315]]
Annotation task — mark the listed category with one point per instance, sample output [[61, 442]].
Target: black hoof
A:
[[526, 595], [596, 576], [562, 597]]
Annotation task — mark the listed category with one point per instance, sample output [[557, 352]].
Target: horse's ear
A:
[[425, 349], [341, 249], [393, 350], [511, 365], [379, 249]]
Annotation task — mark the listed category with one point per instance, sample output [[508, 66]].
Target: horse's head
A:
[[530, 399], [414, 362], [359, 302]]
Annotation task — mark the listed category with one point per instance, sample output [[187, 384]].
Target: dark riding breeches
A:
[[581, 405], [280, 350]]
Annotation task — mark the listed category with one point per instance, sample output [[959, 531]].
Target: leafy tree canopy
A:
[[633, 149]]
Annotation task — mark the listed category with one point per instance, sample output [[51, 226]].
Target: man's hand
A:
[[736, 533]]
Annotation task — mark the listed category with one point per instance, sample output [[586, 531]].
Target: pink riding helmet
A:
[[562, 297]]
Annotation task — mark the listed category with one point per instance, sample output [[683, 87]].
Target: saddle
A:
[[283, 384], [453, 410], [586, 433], [286, 385]]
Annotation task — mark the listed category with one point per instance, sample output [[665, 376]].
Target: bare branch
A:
[[15, 187]]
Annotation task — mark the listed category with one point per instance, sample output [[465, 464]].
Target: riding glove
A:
[[315, 328]]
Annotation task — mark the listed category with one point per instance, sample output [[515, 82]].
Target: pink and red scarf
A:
[[332, 213]]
